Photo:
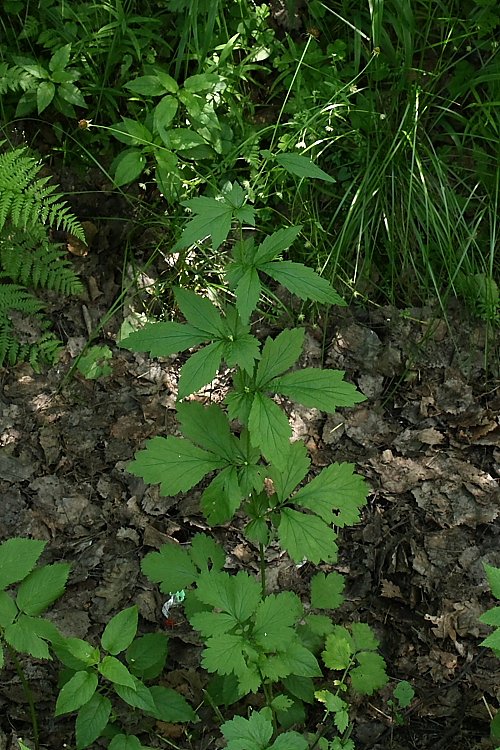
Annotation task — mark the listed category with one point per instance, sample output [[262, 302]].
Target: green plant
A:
[[403, 695], [94, 364], [492, 617], [256, 640], [29, 260]]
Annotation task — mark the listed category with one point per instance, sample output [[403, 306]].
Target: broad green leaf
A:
[[17, 558], [146, 86], [290, 741], [247, 293], [274, 618], [370, 674], [222, 498], [242, 352], [303, 281], [404, 693], [76, 653], [28, 635], [42, 587], [300, 687], [301, 661], [208, 427], [164, 339], [170, 706], [60, 58], [293, 471], [169, 83], [491, 617], [174, 462], [91, 720], [269, 429], [131, 132], [278, 355], [139, 696], [248, 734], [116, 672], [338, 653], [326, 590], [492, 641], [120, 630], [213, 623], [238, 595], [302, 166], [336, 494], [224, 654], [128, 166], [167, 175], [146, 656], [8, 609], [239, 403], [71, 93], [213, 219], [320, 389], [76, 692], [206, 553], [126, 742], [171, 567], [274, 244], [182, 139], [363, 637], [44, 94], [199, 312], [202, 82], [493, 575], [200, 369], [306, 537]]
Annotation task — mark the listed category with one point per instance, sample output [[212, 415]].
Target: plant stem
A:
[[29, 697], [262, 566]]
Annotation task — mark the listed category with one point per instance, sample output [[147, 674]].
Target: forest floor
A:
[[427, 440]]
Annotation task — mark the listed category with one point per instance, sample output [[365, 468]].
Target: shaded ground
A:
[[427, 440]]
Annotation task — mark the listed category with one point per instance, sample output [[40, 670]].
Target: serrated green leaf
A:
[[242, 351], [492, 641], [293, 471], [279, 355], [339, 649], [222, 497], [208, 427], [274, 618], [274, 244], [175, 462], [116, 672], [138, 697], [248, 734], [76, 653], [76, 692], [125, 742], [326, 590], [306, 537], [336, 495], [8, 609], [238, 595], [320, 389], [239, 404], [200, 369], [404, 693], [213, 220], [493, 575], [17, 558], [128, 166], [370, 674], [171, 567], [91, 720], [27, 635], [42, 587], [224, 654], [164, 339], [213, 623], [170, 706], [206, 553], [247, 293], [301, 661], [281, 702], [146, 656], [491, 617], [269, 429], [363, 637], [302, 166], [44, 94], [289, 741], [303, 282], [199, 312], [300, 687]]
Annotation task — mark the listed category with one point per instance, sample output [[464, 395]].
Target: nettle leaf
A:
[[306, 537], [76, 692], [175, 463], [269, 429], [370, 674], [293, 471], [120, 630], [199, 312], [303, 281], [17, 558], [274, 244], [326, 590], [278, 355], [171, 567], [320, 389], [302, 166], [336, 488], [164, 339], [274, 620], [42, 587], [200, 369], [91, 720]]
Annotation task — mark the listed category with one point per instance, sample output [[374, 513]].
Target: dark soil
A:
[[427, 440]]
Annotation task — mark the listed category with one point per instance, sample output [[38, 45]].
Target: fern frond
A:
[[16, 297], [26, 199], [14, 78]]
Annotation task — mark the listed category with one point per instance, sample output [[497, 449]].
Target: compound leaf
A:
[[248, 734], [303, 281], [278, 355], [213, 220], [274, 244], [306, 537], [336, 488], [164, 339], [200, 369], [269, 429], [206, 552], [208, 427], [274, 618], [199, 312], [247, 293], [293, 471], [320, 389], [238, 595]]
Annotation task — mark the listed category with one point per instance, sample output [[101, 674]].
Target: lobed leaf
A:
[[306, 537], [199, 312], [171, 567], [326, 590], [336, 494], [164, 339]]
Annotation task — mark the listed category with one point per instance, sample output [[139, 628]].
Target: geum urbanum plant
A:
[[255, 639]]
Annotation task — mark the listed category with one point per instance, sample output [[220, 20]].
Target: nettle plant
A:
[[254, 639]]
